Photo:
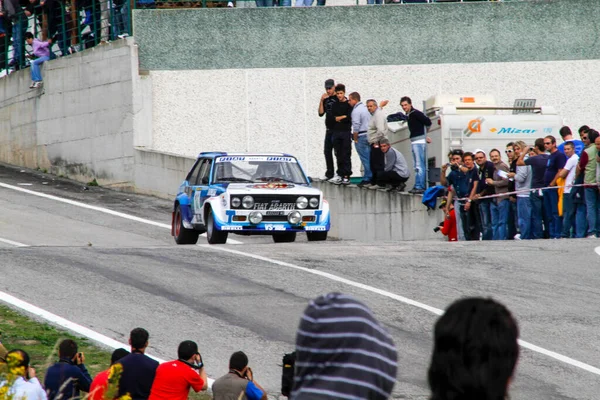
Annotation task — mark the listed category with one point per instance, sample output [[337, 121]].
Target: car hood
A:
[[271, 188]]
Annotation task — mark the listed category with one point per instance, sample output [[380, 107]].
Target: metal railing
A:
[[70, 25], [285, 3]]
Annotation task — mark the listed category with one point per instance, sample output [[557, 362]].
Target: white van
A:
[[473, 122]]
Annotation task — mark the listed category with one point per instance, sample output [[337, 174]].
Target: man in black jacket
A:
[[325, 105], [483, 206], [418, 125], [340, 121]]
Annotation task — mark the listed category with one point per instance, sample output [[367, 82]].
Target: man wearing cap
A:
[[239, 382], [325, 106]]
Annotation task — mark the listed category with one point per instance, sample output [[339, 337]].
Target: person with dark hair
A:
[[238, 382], [41, 50], [463, 179], [26, 385], [69, 376], [538, 170], [587, 166], [335, 333], [395, 172], [556, 162], [582, 130], [325, 106], [138, 369], [567, 136], [483, 206], [340, 120], [175, 378], [568, 173], [100, 382], [418, 125], [475, 351], [501, 204]]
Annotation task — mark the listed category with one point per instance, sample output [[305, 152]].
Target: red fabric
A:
[[173, 381], [449, 228], [583, 160], [99, 385]]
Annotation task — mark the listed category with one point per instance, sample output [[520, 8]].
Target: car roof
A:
[[213, 154]]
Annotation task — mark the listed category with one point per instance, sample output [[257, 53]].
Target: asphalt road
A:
[[112, 274]]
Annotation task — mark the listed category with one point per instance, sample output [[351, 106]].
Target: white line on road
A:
[[13, 243], [95, 208], [404, 300], [597, 250], [72, 326]]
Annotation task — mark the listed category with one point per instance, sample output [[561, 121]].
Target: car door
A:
[[201, 190]]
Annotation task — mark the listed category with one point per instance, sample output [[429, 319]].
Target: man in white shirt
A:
[[26, 386], [568, 172]]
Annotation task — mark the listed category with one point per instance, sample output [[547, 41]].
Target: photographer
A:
[[26, 386], [174, 379], [448, 227], [66, 378], [239, 380]]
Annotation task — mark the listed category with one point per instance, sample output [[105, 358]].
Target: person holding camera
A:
[[239, 382], [174, 379], [26, 385], [448, 227], [69, 376]]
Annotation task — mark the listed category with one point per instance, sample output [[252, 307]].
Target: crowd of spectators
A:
[[342, 351], [545, 191]]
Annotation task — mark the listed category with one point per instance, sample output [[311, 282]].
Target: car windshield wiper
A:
[[233, 179]]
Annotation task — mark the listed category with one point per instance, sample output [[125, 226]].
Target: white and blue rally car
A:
[[248, 194]]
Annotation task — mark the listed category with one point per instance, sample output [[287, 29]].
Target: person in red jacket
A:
[[449, 228], [100, 382]]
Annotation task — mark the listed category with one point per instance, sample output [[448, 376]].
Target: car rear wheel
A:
[[284, 237], [182, 234], [214, 235], [316, 236]]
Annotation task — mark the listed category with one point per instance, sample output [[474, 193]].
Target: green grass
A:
[[41, 341]]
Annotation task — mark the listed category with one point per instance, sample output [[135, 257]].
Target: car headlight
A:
[[314, 202], [294, 218], [301, 202], [235, 202], [248, 202], [255, 217]]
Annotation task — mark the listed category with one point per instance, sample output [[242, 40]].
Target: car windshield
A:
[[256, 169]]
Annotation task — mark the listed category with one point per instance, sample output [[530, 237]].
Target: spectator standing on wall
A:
[[341, 119], [360, 125], [328, 99], [175, 378], [57, 22], [139, 370], [556, 162], [395, 172], [14, 13], [418, 125], [376, 132], [41, 50]]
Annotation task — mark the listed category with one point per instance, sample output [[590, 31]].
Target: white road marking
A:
[[13, 243], [72, 326], [405, 300], [96, 208], [597, 250]]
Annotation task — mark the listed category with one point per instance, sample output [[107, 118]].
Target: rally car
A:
[[248, 194]]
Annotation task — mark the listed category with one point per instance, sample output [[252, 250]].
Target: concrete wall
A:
[[276, 109], [476, 32], [81, 124]]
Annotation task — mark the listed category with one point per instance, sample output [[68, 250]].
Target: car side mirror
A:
[[310, 180]]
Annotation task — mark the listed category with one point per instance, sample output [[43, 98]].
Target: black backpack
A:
[[287, 373]]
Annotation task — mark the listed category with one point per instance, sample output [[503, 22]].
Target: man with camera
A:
[[239, 382], [174, 379], [66, 378], [26, 386]]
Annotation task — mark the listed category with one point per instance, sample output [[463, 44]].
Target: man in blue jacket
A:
[[418, 125], [66, 378]]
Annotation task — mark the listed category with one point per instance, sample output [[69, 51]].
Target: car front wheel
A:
[[286, 237], [214, 235], [182, 234], [316, 236]]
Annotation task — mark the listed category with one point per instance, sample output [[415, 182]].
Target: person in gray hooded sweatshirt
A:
[[396, 169]]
